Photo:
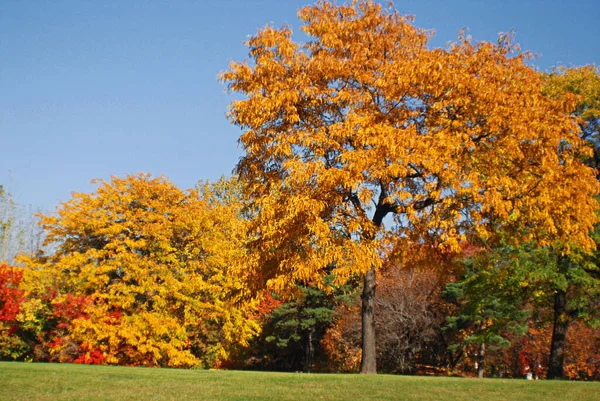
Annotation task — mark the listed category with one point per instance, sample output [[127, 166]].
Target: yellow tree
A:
[[584, 83], [160, 268], [364, 121]]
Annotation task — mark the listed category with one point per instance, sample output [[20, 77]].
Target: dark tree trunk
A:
[[480, 360], [368, 363], [559, 336], [309, 351]]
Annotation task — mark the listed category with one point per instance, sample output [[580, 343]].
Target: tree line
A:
[[398, 207]]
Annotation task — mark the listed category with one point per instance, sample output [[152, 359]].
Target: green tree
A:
[[292, 333], [570, 284], [491, 292]]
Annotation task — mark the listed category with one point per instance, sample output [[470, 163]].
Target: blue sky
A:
[[94, 88]]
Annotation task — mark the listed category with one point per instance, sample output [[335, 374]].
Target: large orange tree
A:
[[365, 121]]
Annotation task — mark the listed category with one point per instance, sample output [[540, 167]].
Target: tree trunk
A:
[[309, 351], [559, 336], [368, 363], [480, 360]]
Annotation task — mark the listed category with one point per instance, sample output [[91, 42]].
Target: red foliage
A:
[[69, 308], [89, 356], [582, 354], [11, 296], [468, 249], [267, 305], [55, 343], [115, 315], [535, 351]]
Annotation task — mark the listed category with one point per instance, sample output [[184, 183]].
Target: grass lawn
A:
[[36, 381]]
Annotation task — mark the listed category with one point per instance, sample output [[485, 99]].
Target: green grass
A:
[[34, 381]]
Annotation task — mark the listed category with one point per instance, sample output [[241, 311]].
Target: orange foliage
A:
[[530, 353], [365, 120], [341, 341], [267, 305], [582, 351], [582, 355]]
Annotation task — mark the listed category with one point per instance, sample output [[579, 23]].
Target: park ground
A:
[[38, 381]]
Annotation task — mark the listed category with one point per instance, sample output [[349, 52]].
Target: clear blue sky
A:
[[94, 88]]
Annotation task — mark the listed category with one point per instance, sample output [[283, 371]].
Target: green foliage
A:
[[293, 320], [292, 333], [498, 288], [491, 293]]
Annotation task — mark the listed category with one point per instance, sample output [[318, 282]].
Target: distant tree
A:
[[365, 120], [499, 285], [530, 353], [573, 286], [582, 361], [19, 233], [408, 322]]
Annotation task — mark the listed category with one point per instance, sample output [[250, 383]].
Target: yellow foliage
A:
[[582, 82], [163, 267]]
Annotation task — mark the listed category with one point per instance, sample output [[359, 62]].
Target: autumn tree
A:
[[364, 121], [569, 285], [157, 269], [530, 353]]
